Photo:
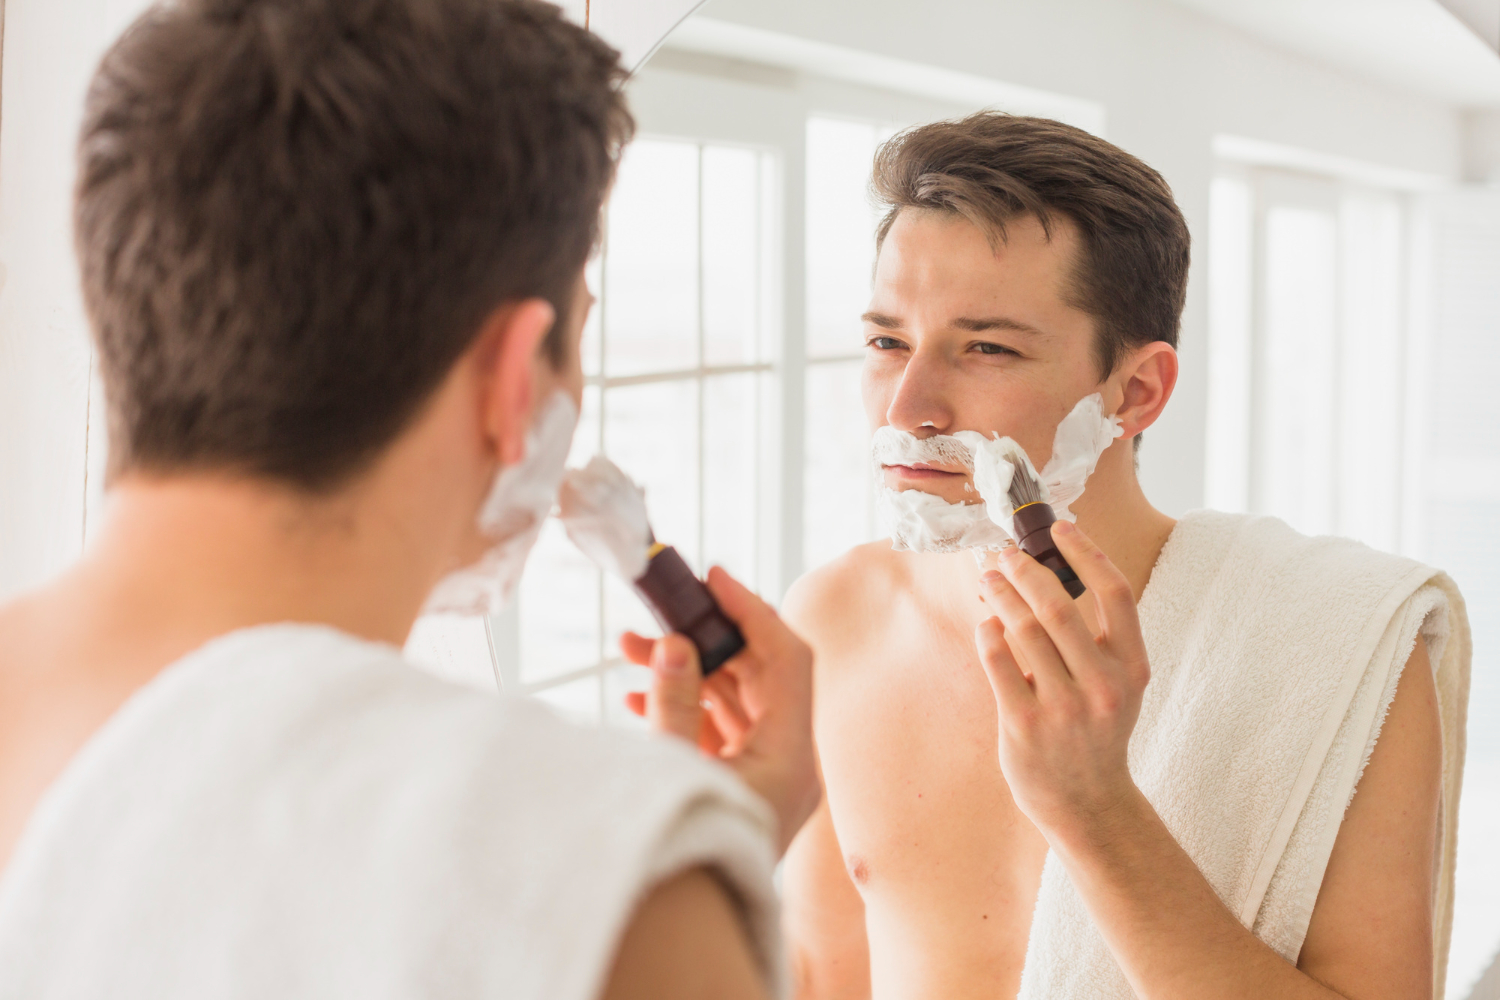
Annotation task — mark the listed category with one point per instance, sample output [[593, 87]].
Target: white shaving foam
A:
[[922, 522], [511, 517], [604, 513]]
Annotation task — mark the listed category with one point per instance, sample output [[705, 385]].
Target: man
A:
[[982, 831], [332, 253]]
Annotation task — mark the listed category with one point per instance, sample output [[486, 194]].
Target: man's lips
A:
[[927, 472]]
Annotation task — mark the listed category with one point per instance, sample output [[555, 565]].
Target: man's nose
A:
[[922, 396]]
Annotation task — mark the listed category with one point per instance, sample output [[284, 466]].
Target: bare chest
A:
[[907, 736]]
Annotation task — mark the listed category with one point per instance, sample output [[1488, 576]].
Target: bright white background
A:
[[1325, 184]]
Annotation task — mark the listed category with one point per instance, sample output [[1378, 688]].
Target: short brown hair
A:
[[292, 216], [992, 167]]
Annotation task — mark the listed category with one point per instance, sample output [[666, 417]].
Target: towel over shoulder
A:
[[291, 812], [1274, 660]]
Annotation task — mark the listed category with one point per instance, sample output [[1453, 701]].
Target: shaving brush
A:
[[682, 603], [1033, 520]]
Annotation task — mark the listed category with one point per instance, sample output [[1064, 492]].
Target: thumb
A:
[[673, 705]]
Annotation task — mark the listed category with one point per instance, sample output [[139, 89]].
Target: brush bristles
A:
[[1023, 489]]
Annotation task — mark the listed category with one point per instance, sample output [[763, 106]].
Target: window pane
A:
[[558, 599], [840, 233], [1295, 460], [1460, 469], [730, 464], [1227, 462], [838, 512], [731, 255], [1370, 370], [651, 261], [558, 608], [651, 432]]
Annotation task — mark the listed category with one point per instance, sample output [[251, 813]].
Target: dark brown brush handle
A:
[[1033, 524], [682, 603]]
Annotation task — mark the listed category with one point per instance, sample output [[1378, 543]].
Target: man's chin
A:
[[948, 493]]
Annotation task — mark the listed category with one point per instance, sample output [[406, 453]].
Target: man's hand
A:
[[758, 716], [1068, 699]]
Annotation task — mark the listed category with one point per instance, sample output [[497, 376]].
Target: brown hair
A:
[[292, 216], [1131, 275]]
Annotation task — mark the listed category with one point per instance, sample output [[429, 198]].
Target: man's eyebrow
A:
[[987, 323], [972, 325], [882, 320]]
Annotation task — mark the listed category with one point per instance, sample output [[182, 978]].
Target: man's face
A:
[[960, 336]]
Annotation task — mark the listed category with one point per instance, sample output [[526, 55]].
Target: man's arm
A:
[[1372, 927], [1371, 932], [824, 917], [1068, 701], [685, 942]]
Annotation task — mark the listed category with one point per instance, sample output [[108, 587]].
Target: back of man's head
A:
[[293, 216]]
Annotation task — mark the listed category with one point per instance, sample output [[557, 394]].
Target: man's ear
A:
[[1146, 378], [513, 336]]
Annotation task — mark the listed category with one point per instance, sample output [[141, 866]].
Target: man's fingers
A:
[[1012, 690], [635, 701], [1023, 633], [1050, 604], [673, 705], [729, 715], [1114, 600], [637, 648], [710, 740]]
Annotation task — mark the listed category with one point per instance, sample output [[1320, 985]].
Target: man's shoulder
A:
[[837, 598]]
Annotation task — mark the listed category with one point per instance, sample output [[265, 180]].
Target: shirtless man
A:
[[919, 874]]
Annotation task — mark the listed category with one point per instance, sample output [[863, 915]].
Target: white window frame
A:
[[691, 97]]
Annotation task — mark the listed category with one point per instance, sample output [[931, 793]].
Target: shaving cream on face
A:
[[605, 516], [511, 517], [922, 522]]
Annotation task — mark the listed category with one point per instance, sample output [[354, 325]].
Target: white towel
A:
[[1274, 659], [292, 813]]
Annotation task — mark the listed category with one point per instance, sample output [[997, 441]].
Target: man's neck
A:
[[1115, 513], [203, 556]]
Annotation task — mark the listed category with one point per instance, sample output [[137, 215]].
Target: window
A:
[[1308, 396], [839, 505], [1354, 333], [677, 359], [677, 356], [722, 365], [1457, 493]]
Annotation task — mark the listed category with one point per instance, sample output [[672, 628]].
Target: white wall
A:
[[1170, 80], [51, 47]]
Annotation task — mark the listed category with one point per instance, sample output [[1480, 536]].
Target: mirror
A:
[[1338, 299]]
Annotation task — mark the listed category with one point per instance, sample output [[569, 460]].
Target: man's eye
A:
[[884, 343], [984, 348]]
